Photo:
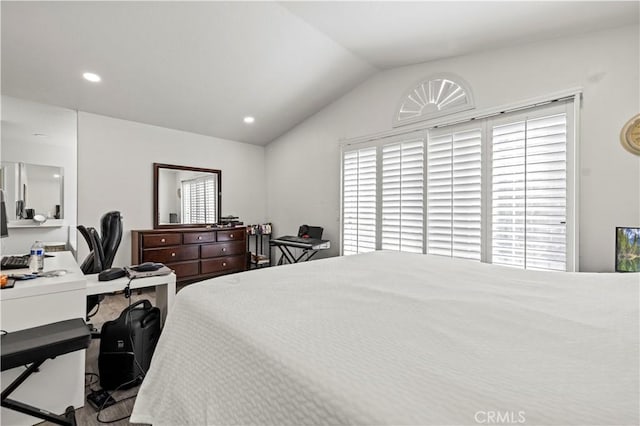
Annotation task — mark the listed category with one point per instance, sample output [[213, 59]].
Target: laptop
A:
[[306, 231], [132, 273]]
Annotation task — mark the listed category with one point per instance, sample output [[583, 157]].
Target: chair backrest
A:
[[103, 248], [111, 224], [91, 262]]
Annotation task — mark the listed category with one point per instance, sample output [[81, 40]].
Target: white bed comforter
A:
[[391, 338]]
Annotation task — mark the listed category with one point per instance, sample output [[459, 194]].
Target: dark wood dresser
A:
[[193, 253]]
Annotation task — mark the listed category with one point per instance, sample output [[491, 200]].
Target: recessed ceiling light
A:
[[249, 119], [40, 135], [94, 78], [56, 176]]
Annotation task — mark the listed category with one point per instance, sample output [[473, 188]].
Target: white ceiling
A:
[[28, 123], [203, 66], [391, 34]]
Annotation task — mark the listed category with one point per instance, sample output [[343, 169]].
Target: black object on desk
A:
[[309, 246], [34, 346], [111, 274], [14, 262]]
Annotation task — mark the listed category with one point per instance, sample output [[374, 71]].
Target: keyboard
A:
[[303, 243], [14, 262]]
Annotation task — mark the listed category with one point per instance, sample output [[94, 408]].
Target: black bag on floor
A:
[[127, 344]]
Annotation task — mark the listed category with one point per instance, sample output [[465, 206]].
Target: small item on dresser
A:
[[230, 220]]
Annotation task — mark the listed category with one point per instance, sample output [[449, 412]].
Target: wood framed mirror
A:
[[186, 197]]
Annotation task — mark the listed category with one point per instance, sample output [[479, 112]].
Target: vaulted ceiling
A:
[[203, 66]]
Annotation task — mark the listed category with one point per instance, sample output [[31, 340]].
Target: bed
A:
[[389, 338]]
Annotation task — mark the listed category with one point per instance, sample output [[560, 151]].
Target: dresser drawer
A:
[[193, 253], [199, 237], [185, 269], [232, 235], [170, 254], [161, 240], [222, 249], [219, 264]]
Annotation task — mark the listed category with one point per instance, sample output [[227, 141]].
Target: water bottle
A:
[[36, 259]]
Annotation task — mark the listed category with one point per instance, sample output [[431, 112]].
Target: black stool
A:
[[34, 346]]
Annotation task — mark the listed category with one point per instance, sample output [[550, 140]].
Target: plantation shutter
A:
[[454, 193], [529, 193], [199, 200], [359, 201], [497, 189], [402, 195]]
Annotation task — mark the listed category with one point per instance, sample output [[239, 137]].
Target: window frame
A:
[[459, 128], [569, 105], [566, 107], [405, 138], [377, 195], [433, 115], [192, 183], [378, 144]]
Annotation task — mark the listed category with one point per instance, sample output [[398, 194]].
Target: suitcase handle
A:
[[145, 302], [152, 315]]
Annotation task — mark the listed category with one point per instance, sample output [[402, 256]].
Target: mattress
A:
[[389, 338]]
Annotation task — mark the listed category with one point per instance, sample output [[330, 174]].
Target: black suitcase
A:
[[127, 344]]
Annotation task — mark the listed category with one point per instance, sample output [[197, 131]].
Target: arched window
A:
[[433, 97]]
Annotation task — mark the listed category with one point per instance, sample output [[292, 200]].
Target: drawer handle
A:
[[173, 255], [163, 240], [199, 237], [224, 263], [224, 249], [230, 235]]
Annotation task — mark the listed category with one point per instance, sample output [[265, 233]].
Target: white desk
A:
[[165, 288], [60, 381], [41, 301]]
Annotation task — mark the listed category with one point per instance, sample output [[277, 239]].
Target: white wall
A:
[[20, 120], [303, 166], [115, 172]]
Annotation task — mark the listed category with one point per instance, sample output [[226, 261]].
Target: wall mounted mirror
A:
[[45, 139], [186, 196], [31, 190]]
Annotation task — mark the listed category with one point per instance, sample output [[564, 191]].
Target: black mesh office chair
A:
[[103, 249]]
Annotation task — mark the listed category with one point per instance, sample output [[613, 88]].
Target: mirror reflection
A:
[[186, 195], [31, 190]]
